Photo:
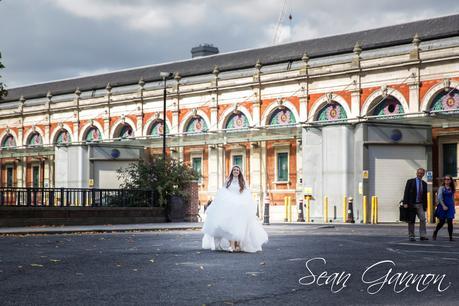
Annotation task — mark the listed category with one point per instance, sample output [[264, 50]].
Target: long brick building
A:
[[346, 115]]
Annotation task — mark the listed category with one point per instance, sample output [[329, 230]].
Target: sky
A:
[[45, 40]]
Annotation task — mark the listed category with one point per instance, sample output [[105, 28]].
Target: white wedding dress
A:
[[232, 216]]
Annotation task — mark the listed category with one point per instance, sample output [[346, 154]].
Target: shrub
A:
[[166, 177]]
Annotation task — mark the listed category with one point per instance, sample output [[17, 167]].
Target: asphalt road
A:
[[170, 268]]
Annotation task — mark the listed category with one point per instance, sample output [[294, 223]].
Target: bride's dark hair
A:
[[240, 178]]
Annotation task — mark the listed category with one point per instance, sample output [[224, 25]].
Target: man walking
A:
[[415, 198]]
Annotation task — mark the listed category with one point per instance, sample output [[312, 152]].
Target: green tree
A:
[[3, 91], [166, 178]]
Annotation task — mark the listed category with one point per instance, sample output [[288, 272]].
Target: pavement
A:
[[68, 229], [169, 267]]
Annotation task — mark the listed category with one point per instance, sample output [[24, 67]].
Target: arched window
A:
[[8, 142], [34, 139], [446, 100], [63, 137], [388, 106], [282, 116], [126, 131], [331, 111], [93, 134], [237, 121], [157, 128], [196, 125]]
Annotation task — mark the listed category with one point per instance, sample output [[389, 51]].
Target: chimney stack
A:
[[203, 50]]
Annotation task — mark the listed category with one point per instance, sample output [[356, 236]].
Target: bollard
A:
[[289, 205], [365, 200], [300, 211], [429, 208], [372, 215], [266, 210], [344, 209], [374, 210], [350, 211], [285, 210], [326, 209], [308, 209]]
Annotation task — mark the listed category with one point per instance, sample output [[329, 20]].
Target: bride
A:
[[231, 223]]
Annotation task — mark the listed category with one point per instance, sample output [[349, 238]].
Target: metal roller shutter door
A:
[[105, 175], [390, 167]]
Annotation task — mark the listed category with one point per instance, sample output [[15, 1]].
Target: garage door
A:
[[105, 173], [390, 167]]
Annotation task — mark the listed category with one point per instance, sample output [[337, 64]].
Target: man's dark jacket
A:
[[409, 197]]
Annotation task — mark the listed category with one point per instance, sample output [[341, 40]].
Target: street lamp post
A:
[[165, 76]]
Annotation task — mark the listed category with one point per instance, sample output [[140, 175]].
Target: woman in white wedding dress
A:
[[231, 223]]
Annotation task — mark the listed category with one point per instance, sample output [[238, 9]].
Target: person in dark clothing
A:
[[445, 208], [415, 197], [207, 205]]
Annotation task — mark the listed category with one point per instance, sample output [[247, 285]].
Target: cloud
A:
[[138, 15], [55, 39]]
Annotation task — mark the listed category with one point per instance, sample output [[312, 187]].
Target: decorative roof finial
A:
[[305, 58], [258, 65], [357, 49], [216, 71], [141, 82], [416, 40]]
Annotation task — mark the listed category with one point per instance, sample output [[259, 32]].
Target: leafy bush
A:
[[167, 177], [3, 91]]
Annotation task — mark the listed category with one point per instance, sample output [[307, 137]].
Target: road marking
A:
[[189, 263], [393, 250], [419, 251], [421, 244], [412, 244], [298, 259], [435, 252]]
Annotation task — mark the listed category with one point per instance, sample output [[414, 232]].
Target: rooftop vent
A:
[[203, 50]]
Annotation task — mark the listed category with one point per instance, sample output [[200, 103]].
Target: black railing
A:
[[81, 197]]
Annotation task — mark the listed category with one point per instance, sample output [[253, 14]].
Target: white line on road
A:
[[434, 252], [412, 244], [421, 244]]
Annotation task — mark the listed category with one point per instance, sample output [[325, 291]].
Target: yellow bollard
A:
[[429, 208], [326, 209], [344, 209], [289, 201], [308, 210], [365, 200], [373, 210], [376, 210], [285, 210]]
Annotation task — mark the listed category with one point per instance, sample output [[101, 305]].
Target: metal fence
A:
[[80, 197]]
